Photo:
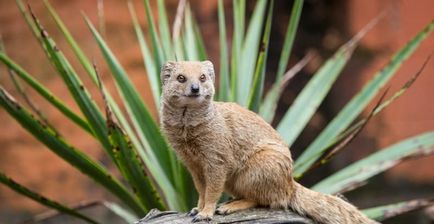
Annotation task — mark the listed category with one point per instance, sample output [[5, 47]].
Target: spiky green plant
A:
[[153, 178]]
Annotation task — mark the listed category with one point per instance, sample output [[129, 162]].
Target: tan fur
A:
[[228, 148]]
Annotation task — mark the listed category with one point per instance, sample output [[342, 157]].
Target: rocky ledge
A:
[[257, 215]]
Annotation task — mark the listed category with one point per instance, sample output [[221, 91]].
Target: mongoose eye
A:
[[202, 78], [181, 78]]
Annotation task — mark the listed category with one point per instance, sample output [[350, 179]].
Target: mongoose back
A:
[[227, 148]]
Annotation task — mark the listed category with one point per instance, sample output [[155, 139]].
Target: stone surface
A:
[[257, 215]]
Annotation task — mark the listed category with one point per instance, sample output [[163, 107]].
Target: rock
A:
[[257, 215]]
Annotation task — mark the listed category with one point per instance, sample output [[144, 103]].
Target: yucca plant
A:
[[152, 177]]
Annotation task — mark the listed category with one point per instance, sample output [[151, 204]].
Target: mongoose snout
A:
[[227, 148], [194, 88]]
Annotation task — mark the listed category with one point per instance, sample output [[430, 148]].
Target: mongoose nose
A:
[[194, 88]]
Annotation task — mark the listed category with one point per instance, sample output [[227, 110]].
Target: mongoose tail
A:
[[325, 208]]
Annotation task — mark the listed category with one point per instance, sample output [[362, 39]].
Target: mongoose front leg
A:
[[214, 185], [198, 181]]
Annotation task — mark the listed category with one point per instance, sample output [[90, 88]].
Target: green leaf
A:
[[35, 84], [128, 159], [194, 47], [307, 102], [269, 104], [68, 153], [132, 168], [347, 115], [177, 26], [189, 36], [345, 141], [291, 31], [224, 86], [239, 11], [152, 70], [140, 115], [121, 212], [44, 92], [200, 45], [164, 30], [384, 212], [312, 95], [249, 53], [180, 54], [76, 88], [378, 109], [258, 79], [70, 39], [360, 171], [268, 108], [155, 40], [22, 91], [158, 157], [84, 61], [41, 199]]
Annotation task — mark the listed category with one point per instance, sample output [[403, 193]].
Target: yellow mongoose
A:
[[228, 148]]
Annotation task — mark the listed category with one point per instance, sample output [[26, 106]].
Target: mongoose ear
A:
[[166, 71], [210, 68]]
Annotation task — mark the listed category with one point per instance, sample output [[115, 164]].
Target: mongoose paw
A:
[[202, 217], [223, 210], [234, 206], [193, 212]]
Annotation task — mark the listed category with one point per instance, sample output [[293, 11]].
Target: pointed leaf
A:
[[224, 86], [308, 101], [378, 162], [128, 159], [258, 81], [384, 212], [269, 104], [176, 31], [158, 157], [328, 154], [44, 92], [41, 199], [121, 212], [291, 31], [383, 105], [67, 152], [268, 109], [200, 45], [164, 30], [189, 36], [249, 53], [239, 11], [155, 40], [132, 168], [76, 88], [84, 205], [22, 91], [347, 115], [151, 68], [84, 61]]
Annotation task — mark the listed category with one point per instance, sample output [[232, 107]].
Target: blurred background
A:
[[325, 25]]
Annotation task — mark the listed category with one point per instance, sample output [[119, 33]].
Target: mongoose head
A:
[[187, 83]]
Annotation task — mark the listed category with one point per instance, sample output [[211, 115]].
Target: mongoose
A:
[[227, 148]]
